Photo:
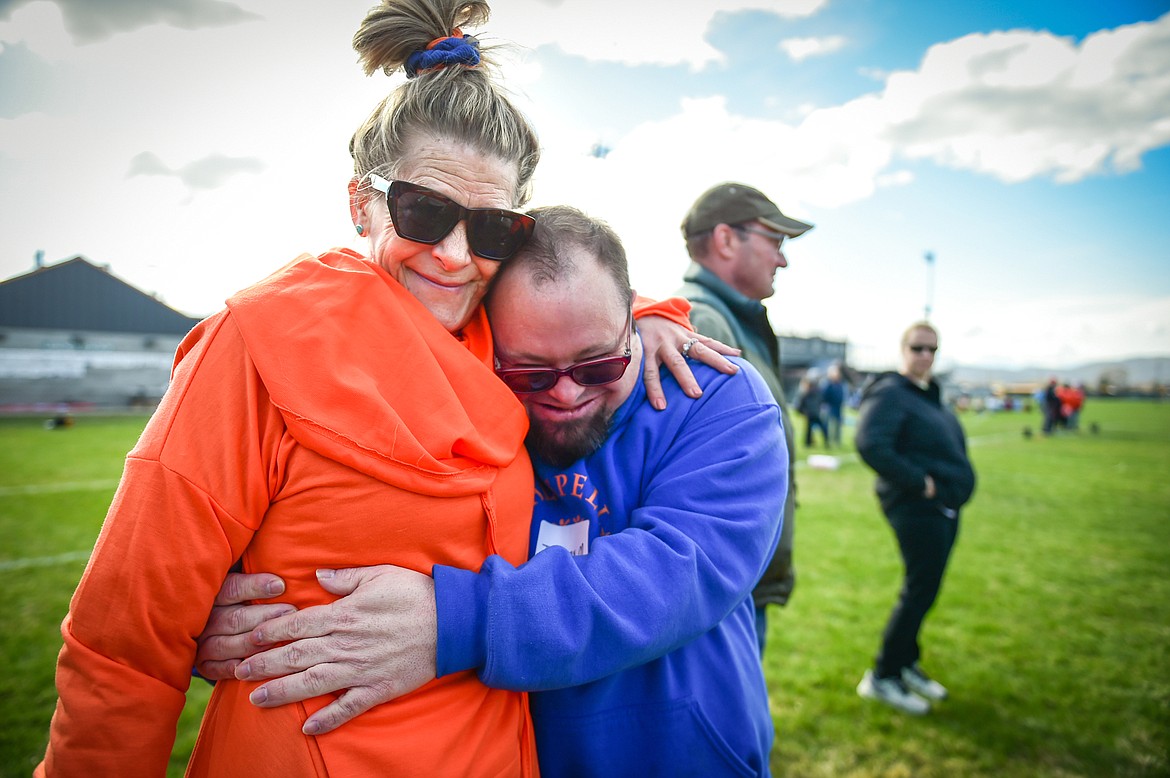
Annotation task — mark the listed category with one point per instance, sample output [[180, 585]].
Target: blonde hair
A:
[[460, 104], [918, 325]]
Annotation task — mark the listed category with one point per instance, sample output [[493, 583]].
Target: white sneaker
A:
[[893, 692], [922, 684]]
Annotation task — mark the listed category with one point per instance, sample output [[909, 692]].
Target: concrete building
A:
[[800, 355]]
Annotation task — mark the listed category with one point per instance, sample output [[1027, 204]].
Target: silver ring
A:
[[686, 349]]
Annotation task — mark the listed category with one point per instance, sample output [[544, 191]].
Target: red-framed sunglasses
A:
[[591, 372]]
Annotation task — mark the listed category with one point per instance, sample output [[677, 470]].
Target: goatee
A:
[[560, 445]]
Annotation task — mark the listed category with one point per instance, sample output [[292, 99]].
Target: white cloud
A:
[[40, 27], [800, 49], [88, 21], [895, 178], [210, 172], [1016, 105], [1004, 104], [827, 160], [1062, 330], [1019, 105], [650, 177], [643, 32], [26, 132]]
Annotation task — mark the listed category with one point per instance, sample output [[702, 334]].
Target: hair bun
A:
[[394, 31]]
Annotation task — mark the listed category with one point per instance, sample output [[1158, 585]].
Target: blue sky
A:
[[197, 145]]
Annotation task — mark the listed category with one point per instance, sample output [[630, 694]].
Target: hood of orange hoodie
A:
[[365, 375]]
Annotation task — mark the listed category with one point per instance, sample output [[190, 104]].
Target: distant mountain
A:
[[1136, 372]]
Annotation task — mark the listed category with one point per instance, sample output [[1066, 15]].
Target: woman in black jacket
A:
[[919, 451]]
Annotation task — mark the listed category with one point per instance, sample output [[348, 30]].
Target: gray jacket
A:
[[721, 312]]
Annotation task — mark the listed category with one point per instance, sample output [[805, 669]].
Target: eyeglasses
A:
[[769, 234], [591, 372], [425, 216], [919, 349]]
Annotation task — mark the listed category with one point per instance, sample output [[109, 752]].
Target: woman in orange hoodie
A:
[[341, 412]]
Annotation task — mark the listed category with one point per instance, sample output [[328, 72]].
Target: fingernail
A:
[[274, 588], [311, 727], [244, 671], [321, 574], [259, 697], [660, 404], [696, 392]]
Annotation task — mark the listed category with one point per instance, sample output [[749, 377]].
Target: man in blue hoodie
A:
[[632, 623]]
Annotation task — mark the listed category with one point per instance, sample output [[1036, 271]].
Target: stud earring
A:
[[360, 230]]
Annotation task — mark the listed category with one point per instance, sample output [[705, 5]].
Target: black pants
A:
[[815, 422], [925, 538]]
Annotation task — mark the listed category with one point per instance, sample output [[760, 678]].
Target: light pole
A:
[[929, 257]]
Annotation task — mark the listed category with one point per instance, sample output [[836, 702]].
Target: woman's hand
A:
[[376, 643], [225, 639], [666, 344], [929, 491]]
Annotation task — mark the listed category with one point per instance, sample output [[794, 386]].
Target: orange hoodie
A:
[[324, 419]]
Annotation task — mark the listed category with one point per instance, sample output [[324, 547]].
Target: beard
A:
[[560, 445]]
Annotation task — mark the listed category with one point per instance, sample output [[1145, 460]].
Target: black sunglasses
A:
[[425, 216], [920, 349], [591, 372]]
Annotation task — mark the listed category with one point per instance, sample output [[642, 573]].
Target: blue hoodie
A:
[[639, 644]]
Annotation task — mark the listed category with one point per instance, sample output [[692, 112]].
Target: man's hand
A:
[[227, 637], [377, 643]]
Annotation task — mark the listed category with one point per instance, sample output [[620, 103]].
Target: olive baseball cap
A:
[[732, 203]]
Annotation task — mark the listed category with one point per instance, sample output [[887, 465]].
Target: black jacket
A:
[[905, 433]]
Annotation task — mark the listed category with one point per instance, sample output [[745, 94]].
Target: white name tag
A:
[[574, 537]]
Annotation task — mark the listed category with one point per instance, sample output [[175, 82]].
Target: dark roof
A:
[[79, 295]]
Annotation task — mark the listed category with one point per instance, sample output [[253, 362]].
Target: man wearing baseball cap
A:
[[734, 235]]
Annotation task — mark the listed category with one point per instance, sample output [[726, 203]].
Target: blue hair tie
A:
[[441, 52]]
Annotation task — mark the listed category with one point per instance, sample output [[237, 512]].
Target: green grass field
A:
[[1052, 631]]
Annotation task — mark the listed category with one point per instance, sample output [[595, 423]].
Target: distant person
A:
[[809, 404], [919, 451], [63, 419], [1074, 401], [735, 236], [833, 398], [1051, 407], [1071, 400]]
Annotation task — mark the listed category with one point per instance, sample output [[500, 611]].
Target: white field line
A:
[[68, 486], [57, 559], [43, 561]]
